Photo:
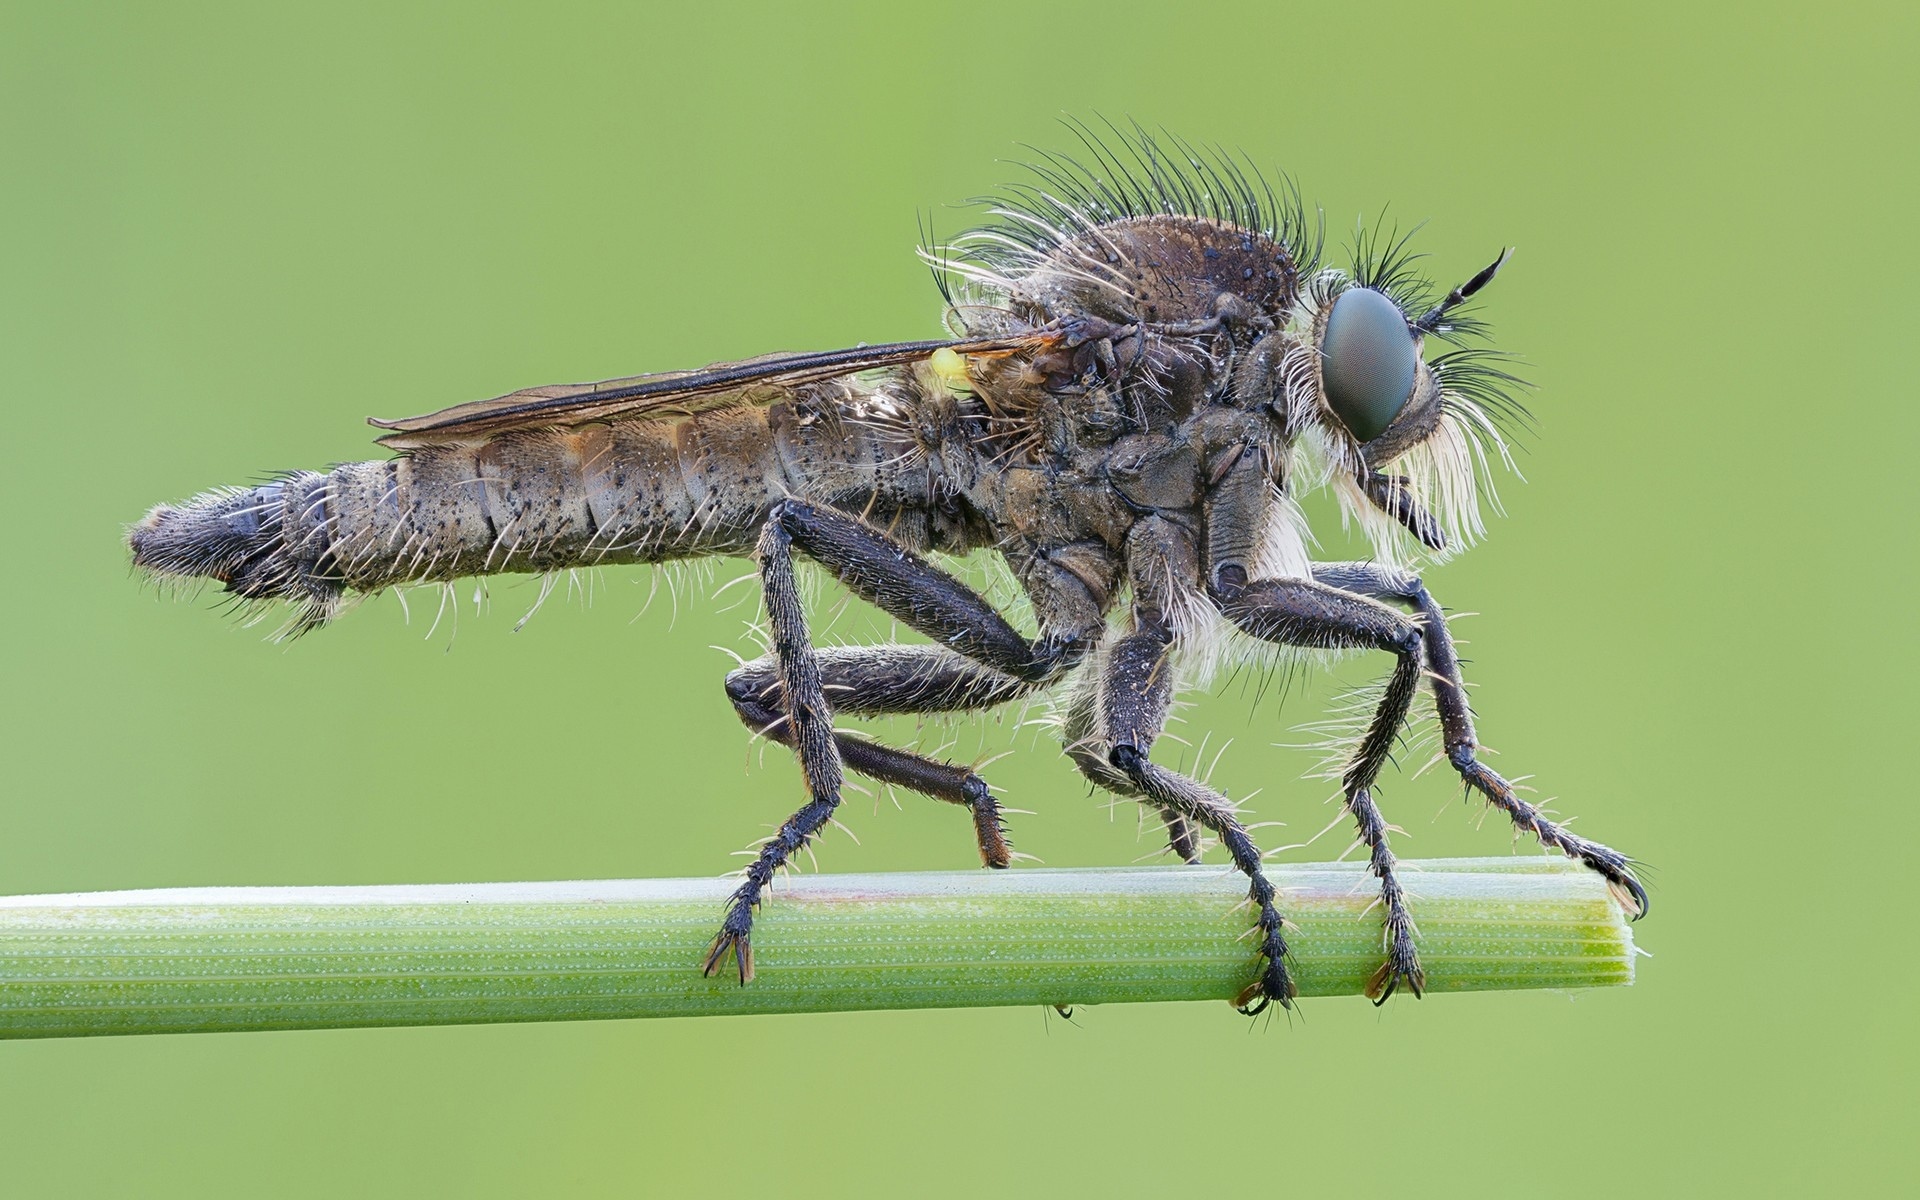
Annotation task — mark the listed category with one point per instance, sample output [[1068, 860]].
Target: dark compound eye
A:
[[1367, 361]]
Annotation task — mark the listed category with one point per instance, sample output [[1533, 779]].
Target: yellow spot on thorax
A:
[[951, 367]]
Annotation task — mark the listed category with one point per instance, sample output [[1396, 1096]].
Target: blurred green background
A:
[[230, 233]]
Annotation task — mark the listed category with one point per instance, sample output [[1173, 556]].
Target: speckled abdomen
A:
[[539, 500]]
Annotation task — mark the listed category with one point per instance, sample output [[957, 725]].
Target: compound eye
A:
[[1367, 361]]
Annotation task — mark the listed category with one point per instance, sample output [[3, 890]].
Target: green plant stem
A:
[[203, 959]]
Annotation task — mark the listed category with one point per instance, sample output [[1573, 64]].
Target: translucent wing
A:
[[674, 394]]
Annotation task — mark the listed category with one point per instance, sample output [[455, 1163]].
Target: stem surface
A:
[[205, 959]]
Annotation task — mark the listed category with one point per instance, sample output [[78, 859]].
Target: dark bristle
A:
[[1124, 173], [933, 250], [1383, 260], [1473, 375]]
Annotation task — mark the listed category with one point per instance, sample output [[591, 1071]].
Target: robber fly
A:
[[1148, 363]]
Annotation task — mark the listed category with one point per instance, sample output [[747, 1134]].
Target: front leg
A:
[[1456, 725], [1298, 612]]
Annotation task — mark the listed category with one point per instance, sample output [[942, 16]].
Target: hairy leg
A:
[[900, 583], [1297, 612], [906, 586], [1456, 724], [882, 680], [1134, 690], [809, 723], [1088, 746]]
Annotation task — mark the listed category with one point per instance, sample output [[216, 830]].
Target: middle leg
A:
[[1083, 735], [1135, 688]]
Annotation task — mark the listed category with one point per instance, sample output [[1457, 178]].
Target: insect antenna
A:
[[1431, 322]]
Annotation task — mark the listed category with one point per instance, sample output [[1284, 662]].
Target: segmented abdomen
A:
[[636, 491]]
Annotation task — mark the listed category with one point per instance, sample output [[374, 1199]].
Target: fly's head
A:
[[1406, 439], [1183, 278]]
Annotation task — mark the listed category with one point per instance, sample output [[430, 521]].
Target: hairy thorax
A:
[[1163, 269], [1135, 419]]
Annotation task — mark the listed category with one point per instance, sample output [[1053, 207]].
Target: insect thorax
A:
[[1162, 269]]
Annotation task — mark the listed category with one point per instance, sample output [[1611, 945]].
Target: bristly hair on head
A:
[[1449, 473], [1383, 259]]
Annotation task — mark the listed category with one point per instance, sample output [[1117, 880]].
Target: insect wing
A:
[[762, 380]]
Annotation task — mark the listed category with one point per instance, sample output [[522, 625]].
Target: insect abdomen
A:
[[640, 491]]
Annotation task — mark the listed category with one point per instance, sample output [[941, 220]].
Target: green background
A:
[[231, 233]]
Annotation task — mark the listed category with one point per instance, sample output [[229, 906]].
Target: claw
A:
[[1274, 986], [1609, 863], [1631, 896], [742, 947], [1387, 980]]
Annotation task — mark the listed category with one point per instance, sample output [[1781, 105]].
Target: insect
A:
[[1148, 363]]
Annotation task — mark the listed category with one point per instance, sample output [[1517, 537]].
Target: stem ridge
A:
[[222, 958]]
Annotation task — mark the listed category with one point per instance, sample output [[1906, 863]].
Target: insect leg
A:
[[1297, 612], [1088, 747], [1456, 724], [810, 725], [891, 577], [880, 680], [1183, 836], [1135, 688], [901, 583]]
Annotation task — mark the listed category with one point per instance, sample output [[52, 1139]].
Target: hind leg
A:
[[898, 582], [882, 680], [809, 723]]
